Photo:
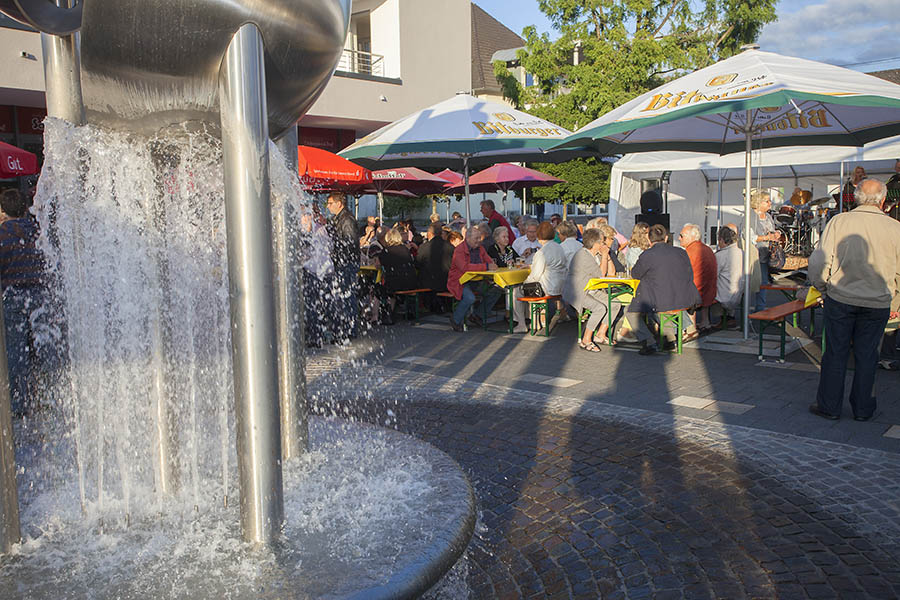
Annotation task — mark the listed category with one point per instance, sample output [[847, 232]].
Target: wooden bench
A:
[[777, 315], [414, 294], [789, 291], [539, 306]]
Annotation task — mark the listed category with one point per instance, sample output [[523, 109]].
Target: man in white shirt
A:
[[526, 245], [729, 271]]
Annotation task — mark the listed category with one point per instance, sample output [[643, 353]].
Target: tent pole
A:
[[748, 180], [466, 178], [719, 211], [841, 190]]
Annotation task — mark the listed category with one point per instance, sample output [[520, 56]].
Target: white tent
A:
[[694, 185]]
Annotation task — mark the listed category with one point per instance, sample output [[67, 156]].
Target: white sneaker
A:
[[520, 329]]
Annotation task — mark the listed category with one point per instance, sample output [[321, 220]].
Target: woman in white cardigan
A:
[[548, 268]]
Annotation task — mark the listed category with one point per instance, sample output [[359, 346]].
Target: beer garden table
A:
[[618, 287], [504, 277]]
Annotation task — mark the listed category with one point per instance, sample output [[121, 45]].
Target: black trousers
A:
[[846, 324]]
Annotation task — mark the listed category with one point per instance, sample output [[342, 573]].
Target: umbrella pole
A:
[[381, 207], [466, 177], [748, 180]]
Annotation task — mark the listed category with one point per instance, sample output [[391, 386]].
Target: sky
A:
[[840, 32]]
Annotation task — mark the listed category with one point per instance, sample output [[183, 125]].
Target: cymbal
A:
[[821, 200], [801, 197]]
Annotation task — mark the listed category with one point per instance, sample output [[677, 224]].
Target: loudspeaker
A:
[[654, 219], [651, 202]]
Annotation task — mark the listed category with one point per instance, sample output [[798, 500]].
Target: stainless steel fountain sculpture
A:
[[381, 515], [250, 69]]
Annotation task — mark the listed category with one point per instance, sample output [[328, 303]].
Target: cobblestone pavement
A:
[[583, 499]]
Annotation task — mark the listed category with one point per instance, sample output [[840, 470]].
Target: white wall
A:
[[426, 43]]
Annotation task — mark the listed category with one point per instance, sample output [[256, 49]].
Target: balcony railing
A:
[[357, 61]]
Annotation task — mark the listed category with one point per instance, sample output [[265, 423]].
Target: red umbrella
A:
[[323, 169], [15, 162], [407, 179], [504, 177], [452, 177]]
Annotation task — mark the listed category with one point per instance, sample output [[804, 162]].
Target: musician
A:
[[848, 193], [762, 231], [892, 204]]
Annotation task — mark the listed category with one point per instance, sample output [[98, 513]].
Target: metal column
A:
[[10, 532], [248, 221], [289, 313], [62, 74]]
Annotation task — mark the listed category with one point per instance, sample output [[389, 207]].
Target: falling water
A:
[[137, 247], [133, 232]]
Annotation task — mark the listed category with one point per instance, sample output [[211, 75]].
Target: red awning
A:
[[15, 162], [323, 169]]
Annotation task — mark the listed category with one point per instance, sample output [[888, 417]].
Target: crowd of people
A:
[[562, 258]]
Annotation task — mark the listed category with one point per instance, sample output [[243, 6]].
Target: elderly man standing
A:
[[470, 256], [857, 268], [344, 234], [495, 219], [703, 263], [526, 245]]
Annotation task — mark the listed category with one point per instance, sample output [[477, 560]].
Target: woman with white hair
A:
[[763, 231], [568, 239]]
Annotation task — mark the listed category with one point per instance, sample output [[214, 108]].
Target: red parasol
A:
[[407, 179], [505, 177], [452, 177], [15, 162], [323, 169]]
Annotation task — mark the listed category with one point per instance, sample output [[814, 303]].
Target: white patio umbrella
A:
[[776, 100], [463, 132]]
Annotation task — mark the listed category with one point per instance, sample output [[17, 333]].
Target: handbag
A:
[[533, 290], [777, 257]]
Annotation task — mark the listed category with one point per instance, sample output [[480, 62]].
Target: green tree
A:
[[399, 206], [610, 51]]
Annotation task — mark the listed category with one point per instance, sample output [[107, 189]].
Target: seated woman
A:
[[609, 234], [637, 244], [502, 253], [548, 268], [568, 239], [398, 268], [591, 262]]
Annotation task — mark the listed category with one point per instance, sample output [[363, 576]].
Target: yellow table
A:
[[505, 277], [369, 270], [618, 287]]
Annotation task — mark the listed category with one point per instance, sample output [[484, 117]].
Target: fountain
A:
[[157, 404]]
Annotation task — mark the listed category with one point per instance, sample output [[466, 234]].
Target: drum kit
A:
[[800, 221]]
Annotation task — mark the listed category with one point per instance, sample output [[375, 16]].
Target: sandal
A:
[[590, 347]]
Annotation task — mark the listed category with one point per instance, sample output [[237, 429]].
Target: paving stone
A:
[[583, 500]]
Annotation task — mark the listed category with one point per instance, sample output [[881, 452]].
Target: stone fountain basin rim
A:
[[419, 575]]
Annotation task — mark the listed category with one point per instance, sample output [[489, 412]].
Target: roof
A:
[[892, 75], [488, 36]]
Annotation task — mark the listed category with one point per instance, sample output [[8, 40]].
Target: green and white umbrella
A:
[[463, 132], [754, 96]]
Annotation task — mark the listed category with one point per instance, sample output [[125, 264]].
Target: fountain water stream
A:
[[156, 224]]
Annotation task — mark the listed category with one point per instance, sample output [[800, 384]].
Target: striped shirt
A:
[[21, 264]]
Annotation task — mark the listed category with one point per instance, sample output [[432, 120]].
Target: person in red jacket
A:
[[703, 263], [470, 256], [495, 219]]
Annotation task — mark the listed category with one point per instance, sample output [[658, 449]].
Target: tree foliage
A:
[[610, 51]]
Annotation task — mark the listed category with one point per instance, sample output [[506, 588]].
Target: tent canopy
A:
[[807, 161]]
